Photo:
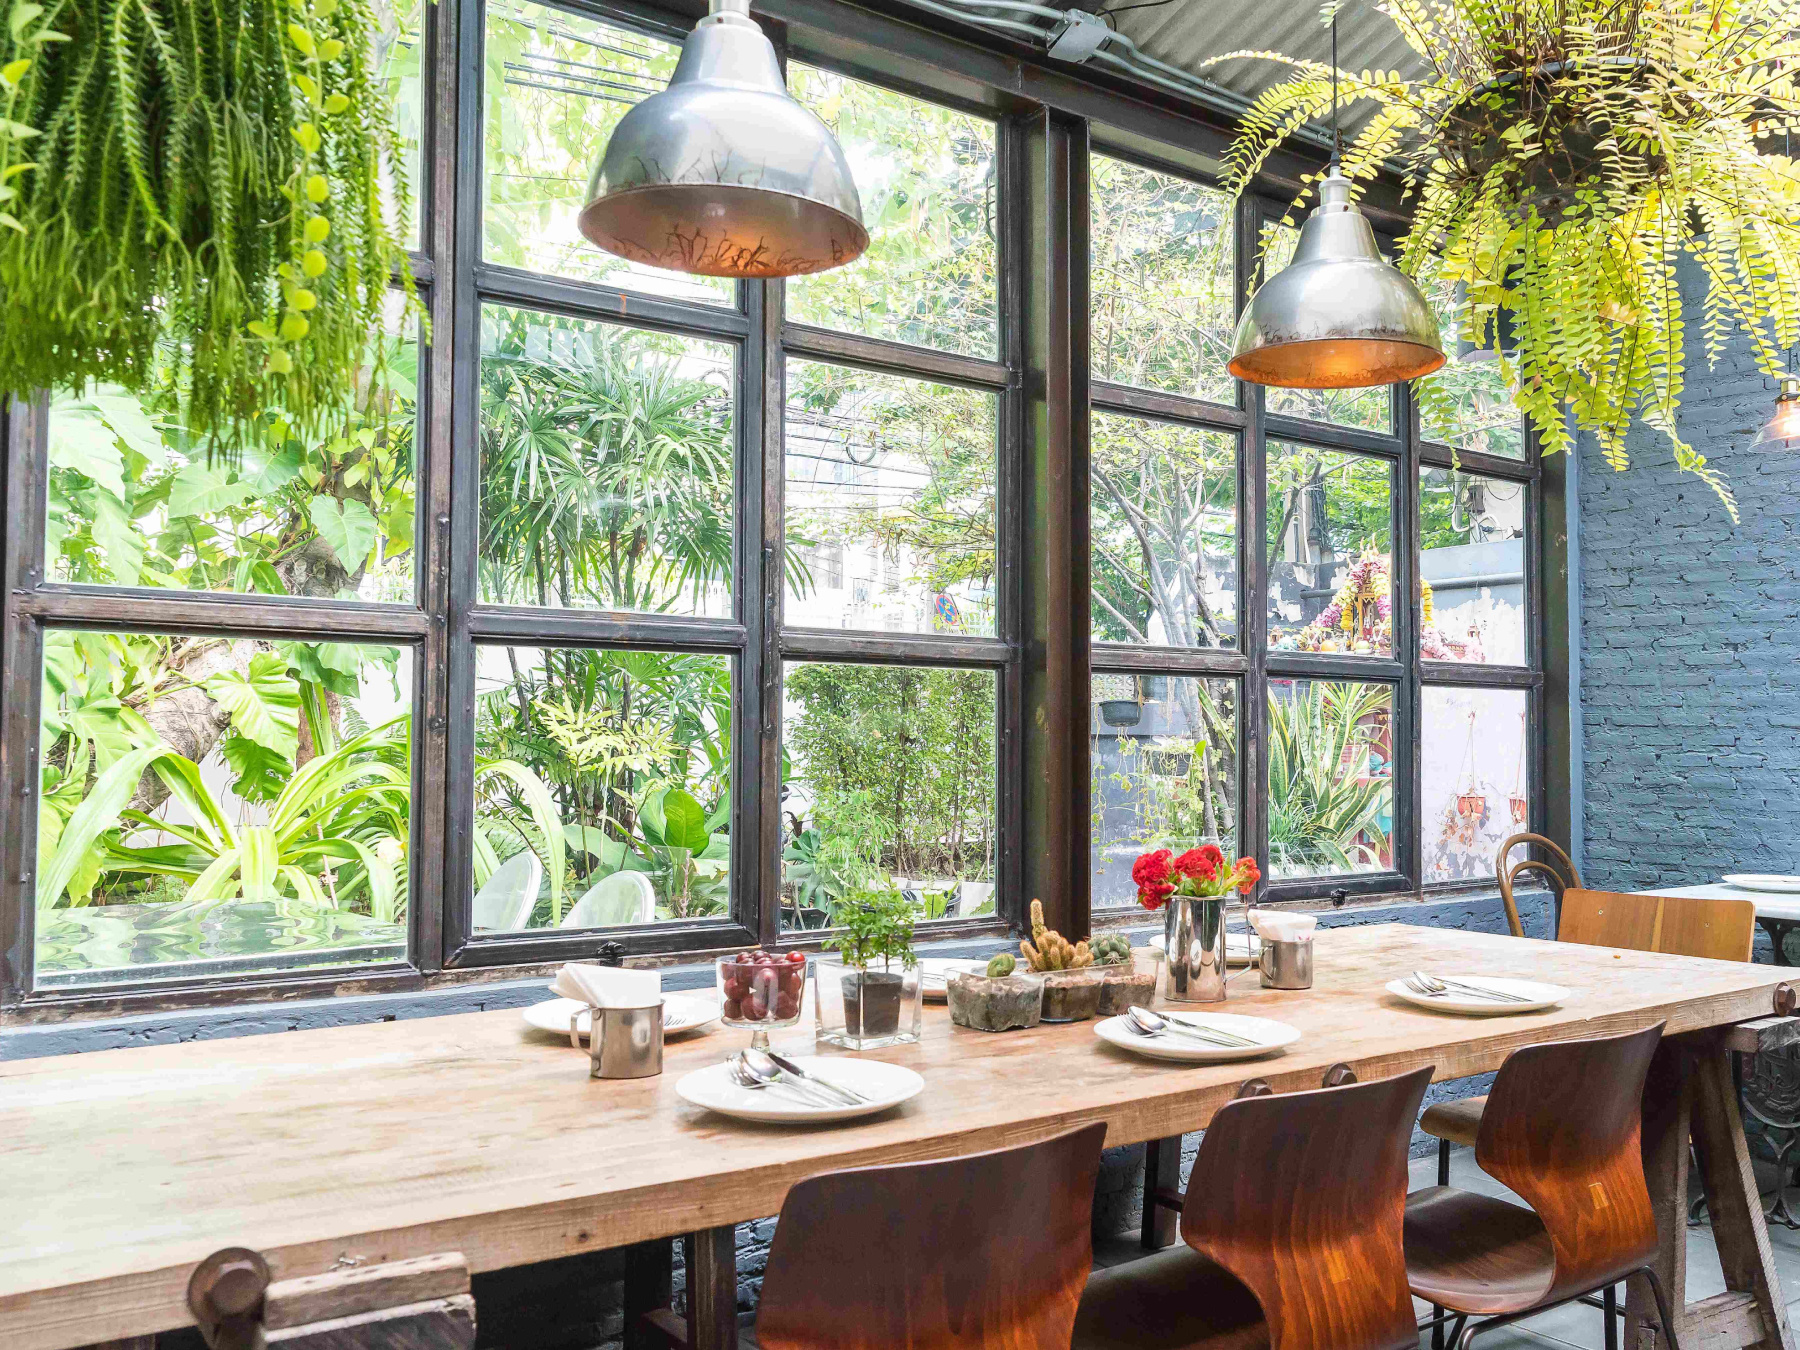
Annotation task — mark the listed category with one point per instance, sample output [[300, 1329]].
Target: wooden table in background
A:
[[120, 1170]]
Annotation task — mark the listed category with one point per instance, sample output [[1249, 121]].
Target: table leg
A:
[[1162, 1174], [649, 1287], [712, 1288], [1690, 1095]]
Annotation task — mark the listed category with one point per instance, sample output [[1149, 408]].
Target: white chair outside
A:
[[504, 905], [620, 899]]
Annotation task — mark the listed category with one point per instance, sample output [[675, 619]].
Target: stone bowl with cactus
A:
[[1002, 998]]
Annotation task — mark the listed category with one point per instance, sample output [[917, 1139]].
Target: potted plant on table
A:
[[1565, 161], [872, 994]]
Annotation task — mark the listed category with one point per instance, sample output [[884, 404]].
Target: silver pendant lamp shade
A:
[[1339, 316], [1784, 426], [723, 173]]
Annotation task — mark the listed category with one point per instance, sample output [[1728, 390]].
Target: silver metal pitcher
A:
[[1193, 969], [622, 1042]]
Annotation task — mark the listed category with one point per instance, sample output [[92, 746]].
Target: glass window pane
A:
[[1164, 308], [602, 788], [134, 501], [890, 502], [399, 45], [1372, 408], [1466, 401], [1164, 773], [557, 84], [888, 775], [606, 466], [1474, 778], [251, 800], [1163, 533], [1330, 522], [1472, 566], [926, 176], [1331, 779]]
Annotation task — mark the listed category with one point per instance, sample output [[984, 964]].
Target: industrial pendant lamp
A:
[[1784, 426], [723, 173], [1339, 316]]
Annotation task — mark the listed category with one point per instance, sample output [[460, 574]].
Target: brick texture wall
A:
[[1690, 644]]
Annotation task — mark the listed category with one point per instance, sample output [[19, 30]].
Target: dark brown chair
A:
[[1292, 1233], [1561, 1129], [990, 1250]]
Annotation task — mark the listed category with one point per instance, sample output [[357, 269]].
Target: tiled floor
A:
[[1578, 1325]]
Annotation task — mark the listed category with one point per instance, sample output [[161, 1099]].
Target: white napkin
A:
[[1272, 926], [608, 986]]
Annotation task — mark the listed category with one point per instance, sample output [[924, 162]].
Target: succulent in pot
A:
[[872, 995], [1003, 998], [1071, 984], [1121, 982]]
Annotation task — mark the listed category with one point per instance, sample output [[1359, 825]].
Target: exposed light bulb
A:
[[1784, 425]]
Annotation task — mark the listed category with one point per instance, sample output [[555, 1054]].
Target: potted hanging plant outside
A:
[[202, 204], [872, 995], [1562, 161]]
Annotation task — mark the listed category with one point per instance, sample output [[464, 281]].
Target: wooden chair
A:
[[989, 1250], [1560, 881], [1292, 1233], [1562, 1129]]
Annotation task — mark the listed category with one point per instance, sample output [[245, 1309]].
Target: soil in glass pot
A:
[[872, 1001]]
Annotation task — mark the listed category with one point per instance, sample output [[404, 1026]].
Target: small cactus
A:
[[1114, 949], [998, 967], [1050, 950]]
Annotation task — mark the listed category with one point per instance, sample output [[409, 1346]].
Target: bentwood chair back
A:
[[1562, 879], [1293, 1233], [990, 1250], [1562, 1129]]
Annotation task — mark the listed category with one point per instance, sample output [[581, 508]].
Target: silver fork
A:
[[1434, 987]]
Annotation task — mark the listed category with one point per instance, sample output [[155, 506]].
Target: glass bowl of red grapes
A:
[[761, 992]]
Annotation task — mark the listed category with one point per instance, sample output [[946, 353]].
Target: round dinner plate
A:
[[1541, 996], [682, 1013], [885, 1085], [1238, 951], [1763, 881], [1269, 1036], [934, 970]]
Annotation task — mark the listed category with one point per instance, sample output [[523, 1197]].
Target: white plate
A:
[[1269, 1036], [1541, 995], [886, 1086], [1237, 948], [1762, 881], [934, 970], [682, 1013]]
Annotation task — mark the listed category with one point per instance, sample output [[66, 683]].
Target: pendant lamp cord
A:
[[1337, 132]]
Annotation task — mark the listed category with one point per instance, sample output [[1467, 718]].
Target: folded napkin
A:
[[1272, 926], [608, 986]]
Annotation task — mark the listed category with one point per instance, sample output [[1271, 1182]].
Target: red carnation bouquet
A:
[[1199, 871]]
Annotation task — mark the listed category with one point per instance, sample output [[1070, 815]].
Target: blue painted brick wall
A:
[[1690, 644]]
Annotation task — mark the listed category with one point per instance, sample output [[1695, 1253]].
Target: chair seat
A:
[[1476, 1253], [1170, 1301], [1456, 1121]]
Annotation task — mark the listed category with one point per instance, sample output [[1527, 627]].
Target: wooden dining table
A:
[[121, 1169]]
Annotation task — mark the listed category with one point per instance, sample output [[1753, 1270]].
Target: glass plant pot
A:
[[866, 1009], [760, 992]]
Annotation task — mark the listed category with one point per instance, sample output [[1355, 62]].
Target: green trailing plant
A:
[[1565, 159], [875, 925], [197, 204]]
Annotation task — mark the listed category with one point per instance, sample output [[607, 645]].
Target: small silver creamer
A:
[[623, 1043]]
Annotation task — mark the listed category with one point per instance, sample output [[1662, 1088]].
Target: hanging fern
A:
[[192, 203], [1564, 158]]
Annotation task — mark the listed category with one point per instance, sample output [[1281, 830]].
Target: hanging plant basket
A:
[[1568, 101], [1121, 712], [1521, 810], [1471, 805]]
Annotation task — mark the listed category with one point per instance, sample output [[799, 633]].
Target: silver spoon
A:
[[1431, 984], [850, 1096], [1147, 1023], [748, 1076]]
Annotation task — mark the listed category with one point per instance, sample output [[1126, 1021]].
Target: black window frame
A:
[[1040, 653]]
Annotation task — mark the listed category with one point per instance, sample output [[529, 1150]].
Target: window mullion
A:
[[1253, 571], [1407, 759]]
